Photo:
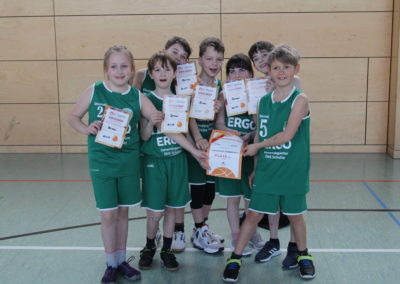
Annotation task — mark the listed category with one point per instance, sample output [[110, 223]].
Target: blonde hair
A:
[[116, 49], [285, 54]]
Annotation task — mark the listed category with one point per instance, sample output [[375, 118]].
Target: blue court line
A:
[[397, 221]]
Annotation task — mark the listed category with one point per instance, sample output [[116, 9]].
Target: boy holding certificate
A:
[[282, 146], [211, 57], [165, 174], [179, 49], [238, 67], [258, 53]]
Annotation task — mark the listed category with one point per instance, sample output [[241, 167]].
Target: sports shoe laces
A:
[[306, 262], [233, 266]]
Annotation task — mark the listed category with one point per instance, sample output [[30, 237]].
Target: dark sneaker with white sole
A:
[[268, 251], [306, 264]]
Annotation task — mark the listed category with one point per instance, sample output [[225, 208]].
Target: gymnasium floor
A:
[[49, 230]]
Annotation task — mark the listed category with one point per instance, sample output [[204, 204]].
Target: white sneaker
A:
[[178, 242], [256, 241], [246, 251], [214, 235], [203, 241], [158, 237]]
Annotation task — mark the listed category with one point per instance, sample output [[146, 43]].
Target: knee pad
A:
[[197, 193], [209, 194]]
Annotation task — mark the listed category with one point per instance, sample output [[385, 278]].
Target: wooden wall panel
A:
[[29, 124], [269, 6], [26, 8], [84, 38], [378, 79], [313, 34], [377, 119], [348, 148], [104, 7], [30, 149], [69, 136], [338, 123], [334, 79], [75, 76], [28, 82], [27, 38]]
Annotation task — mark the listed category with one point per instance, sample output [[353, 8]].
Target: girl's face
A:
[[178, 53], [260, 61], [211, 62], [238, 73], [162, 76], [119, 70]]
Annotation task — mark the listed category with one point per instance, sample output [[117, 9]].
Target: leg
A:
[[232, 212], [247, 230]]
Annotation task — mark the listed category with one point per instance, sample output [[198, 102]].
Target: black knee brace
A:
[[197, 193], [209, 194]]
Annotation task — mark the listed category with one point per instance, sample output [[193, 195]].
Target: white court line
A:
[[193, 249]]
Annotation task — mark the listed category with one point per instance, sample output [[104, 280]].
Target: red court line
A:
[[88, 180]]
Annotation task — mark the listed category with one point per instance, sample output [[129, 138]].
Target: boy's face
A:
[[260, 61], [211, 62], [238, 73], [162, 76], [283, 73], [119, 69], [178, 53]]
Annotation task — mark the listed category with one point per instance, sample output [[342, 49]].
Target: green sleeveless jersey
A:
[[207, 126], [243, 123], [148, 84], [283, 169], [106, 160], [159, 145]]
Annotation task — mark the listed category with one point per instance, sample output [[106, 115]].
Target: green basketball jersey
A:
[[207, 126], [243, 123], [159, 145], [282, 169], [107, 160], [148, 84]]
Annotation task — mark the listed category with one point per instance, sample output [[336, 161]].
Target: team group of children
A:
[[275, 168]]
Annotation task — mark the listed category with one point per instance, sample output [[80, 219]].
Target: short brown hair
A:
[[216, 43], [162, 57], [182, 42], [285, 54], [259, 46]]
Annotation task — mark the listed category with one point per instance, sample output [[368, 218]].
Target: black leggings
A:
[[202, 195]]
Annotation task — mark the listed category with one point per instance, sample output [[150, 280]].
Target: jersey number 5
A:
[[263, 128]]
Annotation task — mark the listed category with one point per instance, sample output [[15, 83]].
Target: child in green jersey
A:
[[114, 172], [238, 67], [282, 146], [179, 49], [165, 179], [258, 53], [202, 189]]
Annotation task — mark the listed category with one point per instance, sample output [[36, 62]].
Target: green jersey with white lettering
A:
[[282, 169], [243, 123], [106, 160], [159, 145]]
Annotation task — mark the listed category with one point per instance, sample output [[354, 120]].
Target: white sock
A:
[[120, 256], [111, 259]]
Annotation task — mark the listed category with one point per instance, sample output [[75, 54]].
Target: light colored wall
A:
[[51, 50]]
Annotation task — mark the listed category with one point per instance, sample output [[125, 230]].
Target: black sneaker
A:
[[231, 272], [146, 257], [268, 251], [307, 269], [290, 261], [110, 275], [127, 271], [169, 260]]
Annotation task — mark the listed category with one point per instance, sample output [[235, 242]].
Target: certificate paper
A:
[[114, 125], [225, 155], [256, 88], [176, 118], [236, 97], [186, 78], [203, 102]]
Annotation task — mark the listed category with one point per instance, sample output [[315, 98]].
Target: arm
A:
[[185, 143], [147, 125], [80, 109], [138, 79], [300, 110], [200, 142], [220, 120]]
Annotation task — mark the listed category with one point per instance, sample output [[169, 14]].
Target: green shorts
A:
[[165, 183], [271, 203], [226, 187], [197, 175], [112, 192]]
